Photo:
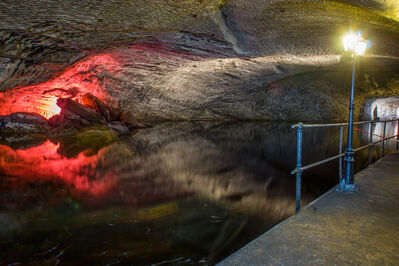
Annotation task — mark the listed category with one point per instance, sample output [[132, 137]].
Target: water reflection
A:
[[178, 193]]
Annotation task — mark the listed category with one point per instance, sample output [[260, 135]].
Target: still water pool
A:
[[178, 193]]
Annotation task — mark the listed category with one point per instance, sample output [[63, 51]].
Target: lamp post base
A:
[[346, 188], [347, 183], [349, 166]]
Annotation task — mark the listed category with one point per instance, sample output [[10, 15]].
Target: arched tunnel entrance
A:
[[380, 109]]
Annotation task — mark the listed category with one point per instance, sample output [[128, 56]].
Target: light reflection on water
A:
[[179, 193]]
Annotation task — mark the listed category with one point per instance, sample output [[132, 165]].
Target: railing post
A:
[[298, 167], [340, 152], [370, 141], [383, 139], [397, 135]]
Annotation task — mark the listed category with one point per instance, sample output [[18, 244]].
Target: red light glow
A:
[[43, 163], [92, 75], [81, 78]]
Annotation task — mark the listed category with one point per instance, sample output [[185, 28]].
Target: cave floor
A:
[[337, 229]]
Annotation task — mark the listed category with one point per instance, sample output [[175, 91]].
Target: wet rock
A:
[[75, 111], [66, 129], [119, 128], [74, 119], [24, 123], [130, 120], [92, 102], [23, 141], [56, 120]]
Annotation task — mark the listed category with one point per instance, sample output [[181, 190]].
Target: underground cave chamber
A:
[[159, 132]]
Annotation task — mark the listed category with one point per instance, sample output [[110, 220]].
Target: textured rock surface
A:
[[74, 109], [187, 60], [91, 101], [21, 130], [20, 123]]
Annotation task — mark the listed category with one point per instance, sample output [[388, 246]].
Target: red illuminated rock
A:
[[22, 123], [66, 129], [130, 120], [92, 102], [73, 91], [75, 119], [75, 111], [62, 93], [56, 120]]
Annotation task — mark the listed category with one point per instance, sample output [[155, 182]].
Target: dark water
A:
[[179, 193]]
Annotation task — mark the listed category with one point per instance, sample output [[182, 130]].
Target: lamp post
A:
[[356, 45]]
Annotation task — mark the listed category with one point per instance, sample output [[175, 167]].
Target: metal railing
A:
[[299, 168]]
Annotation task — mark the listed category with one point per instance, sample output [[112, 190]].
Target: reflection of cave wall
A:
[[244, 166], [238, 163], [239, 167]]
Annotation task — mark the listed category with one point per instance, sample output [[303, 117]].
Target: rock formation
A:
[[17, 128]]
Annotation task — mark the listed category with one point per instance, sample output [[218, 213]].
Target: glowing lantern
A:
[[355, 43]]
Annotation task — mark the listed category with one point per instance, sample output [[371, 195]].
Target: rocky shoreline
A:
[[73, 118]]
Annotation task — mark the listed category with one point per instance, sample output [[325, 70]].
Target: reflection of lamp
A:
[[356, 45]]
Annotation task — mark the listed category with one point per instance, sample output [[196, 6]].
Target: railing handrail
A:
[[341, 124], [332, 158], [299, 168]]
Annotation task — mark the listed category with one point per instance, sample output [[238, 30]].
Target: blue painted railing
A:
[[300, 169]]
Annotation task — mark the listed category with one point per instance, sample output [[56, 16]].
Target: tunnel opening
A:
[[375, 113], [380, 109]]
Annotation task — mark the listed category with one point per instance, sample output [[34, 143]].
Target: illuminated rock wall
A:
[[196, 59]]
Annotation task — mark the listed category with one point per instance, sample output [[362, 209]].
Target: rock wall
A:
[[197, 59], [306, 27]]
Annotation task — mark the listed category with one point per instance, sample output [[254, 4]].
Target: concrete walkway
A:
[[337, 229]]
